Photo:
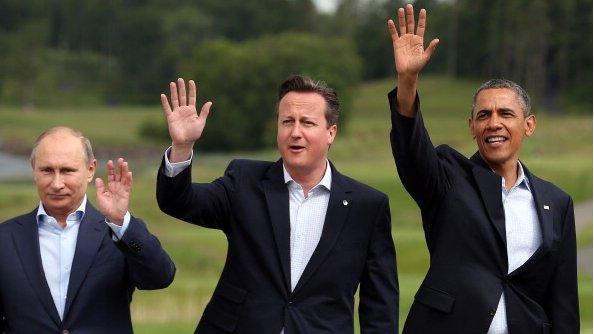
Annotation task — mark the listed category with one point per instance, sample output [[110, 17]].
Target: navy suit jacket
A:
[[250, 204], [464, 225], [104, 274]]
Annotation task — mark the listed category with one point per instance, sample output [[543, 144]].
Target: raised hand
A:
[[184, 123], [410, 56], [114, 198]]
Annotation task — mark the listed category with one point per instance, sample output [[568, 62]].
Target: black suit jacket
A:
[[250, 203], [103, 276], [464, 224]]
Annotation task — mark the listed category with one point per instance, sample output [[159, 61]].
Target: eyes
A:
[[305, 123], [503, 113], [63, 171]]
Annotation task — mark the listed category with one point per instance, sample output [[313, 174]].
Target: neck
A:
[[508, 171], [307, 179]]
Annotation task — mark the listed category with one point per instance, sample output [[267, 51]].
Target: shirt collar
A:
[[521, 178], [326, 180], [80, 212]]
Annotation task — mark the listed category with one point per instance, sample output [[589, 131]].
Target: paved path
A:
[[583, 219]]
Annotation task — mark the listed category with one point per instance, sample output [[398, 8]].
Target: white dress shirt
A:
[[57, 246], [522, 233]]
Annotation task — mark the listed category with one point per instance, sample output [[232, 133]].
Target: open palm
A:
[[409, 54], [114, 198], [183, 121]]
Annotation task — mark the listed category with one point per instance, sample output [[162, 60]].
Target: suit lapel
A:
[[489, 185], [277, 199], [336, 215], [26, 242], [545, 217], [90, 234]]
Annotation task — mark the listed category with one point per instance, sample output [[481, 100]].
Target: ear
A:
[[529, 125], [471, 128], [332, 133], [91, 170]]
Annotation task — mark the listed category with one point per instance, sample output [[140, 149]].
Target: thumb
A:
[[100, 186], [431, 48], [205, 110]]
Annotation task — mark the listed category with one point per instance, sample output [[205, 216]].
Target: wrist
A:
[[180, 152]]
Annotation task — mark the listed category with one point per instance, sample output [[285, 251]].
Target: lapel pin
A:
[[546, 207], [345, 202]]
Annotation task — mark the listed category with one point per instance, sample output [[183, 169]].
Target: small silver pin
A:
[[345, 202], [546, 207]]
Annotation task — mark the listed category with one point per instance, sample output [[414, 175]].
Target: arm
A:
[[416, 159], [378, 304], [149, 266], [562, 302]]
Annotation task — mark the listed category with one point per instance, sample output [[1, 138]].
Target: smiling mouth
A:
[[495, 139]]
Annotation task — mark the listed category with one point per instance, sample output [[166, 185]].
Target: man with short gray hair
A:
[[501, 240], [66, 266]]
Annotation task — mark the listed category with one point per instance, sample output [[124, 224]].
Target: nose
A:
[[296, 130], [57, 182], [494, 122]]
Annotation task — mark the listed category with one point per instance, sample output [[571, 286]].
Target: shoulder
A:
[[551, 190], [9, 224], [360, 189]]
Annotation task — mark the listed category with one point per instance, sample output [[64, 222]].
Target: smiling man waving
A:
[[501, 240]]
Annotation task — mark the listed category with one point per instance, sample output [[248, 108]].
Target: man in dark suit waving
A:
[[302, 237], [67, 267], [501, 240]]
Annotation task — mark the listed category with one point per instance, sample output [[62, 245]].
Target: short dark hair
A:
[[86, 144], [303, 84], [521, 94]]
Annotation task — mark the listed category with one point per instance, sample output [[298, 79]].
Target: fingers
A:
[[401, 21], [110, 171], [392, 30], [410, 19], [173, 91], [205, 110], [181, 86], [422, 23], [192, 95], [431, 48], [125, 173]]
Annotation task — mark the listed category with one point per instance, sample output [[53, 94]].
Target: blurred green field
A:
[[560, 151]]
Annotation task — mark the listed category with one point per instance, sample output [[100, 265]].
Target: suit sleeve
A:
[[149, 266], [416, 159], [204, 204], [378, 304], [562, 304]]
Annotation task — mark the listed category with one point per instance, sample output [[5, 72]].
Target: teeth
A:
[[495, 139]]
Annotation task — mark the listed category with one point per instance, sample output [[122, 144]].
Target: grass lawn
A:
[[560, 151]]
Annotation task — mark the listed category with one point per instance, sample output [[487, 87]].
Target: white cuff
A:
[[172, 169], [118, 231]]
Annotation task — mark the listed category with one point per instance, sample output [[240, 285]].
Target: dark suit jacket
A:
[[103, 276], [464, 224], [250, 203]]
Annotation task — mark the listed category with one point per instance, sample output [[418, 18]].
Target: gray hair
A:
[[305, 84], [86, 144], [521, 94]]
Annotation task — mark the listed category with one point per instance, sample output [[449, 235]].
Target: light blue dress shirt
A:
[[57, 246]]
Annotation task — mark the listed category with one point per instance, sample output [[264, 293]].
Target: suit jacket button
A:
[[492, 312], [65, 331]]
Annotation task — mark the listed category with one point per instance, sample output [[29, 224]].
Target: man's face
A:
[[61, 174], [499, 126], [303, 136]]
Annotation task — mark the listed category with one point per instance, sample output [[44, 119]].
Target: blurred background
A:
[[99, 66]]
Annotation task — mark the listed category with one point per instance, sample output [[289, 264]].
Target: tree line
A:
[[126, 51]]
